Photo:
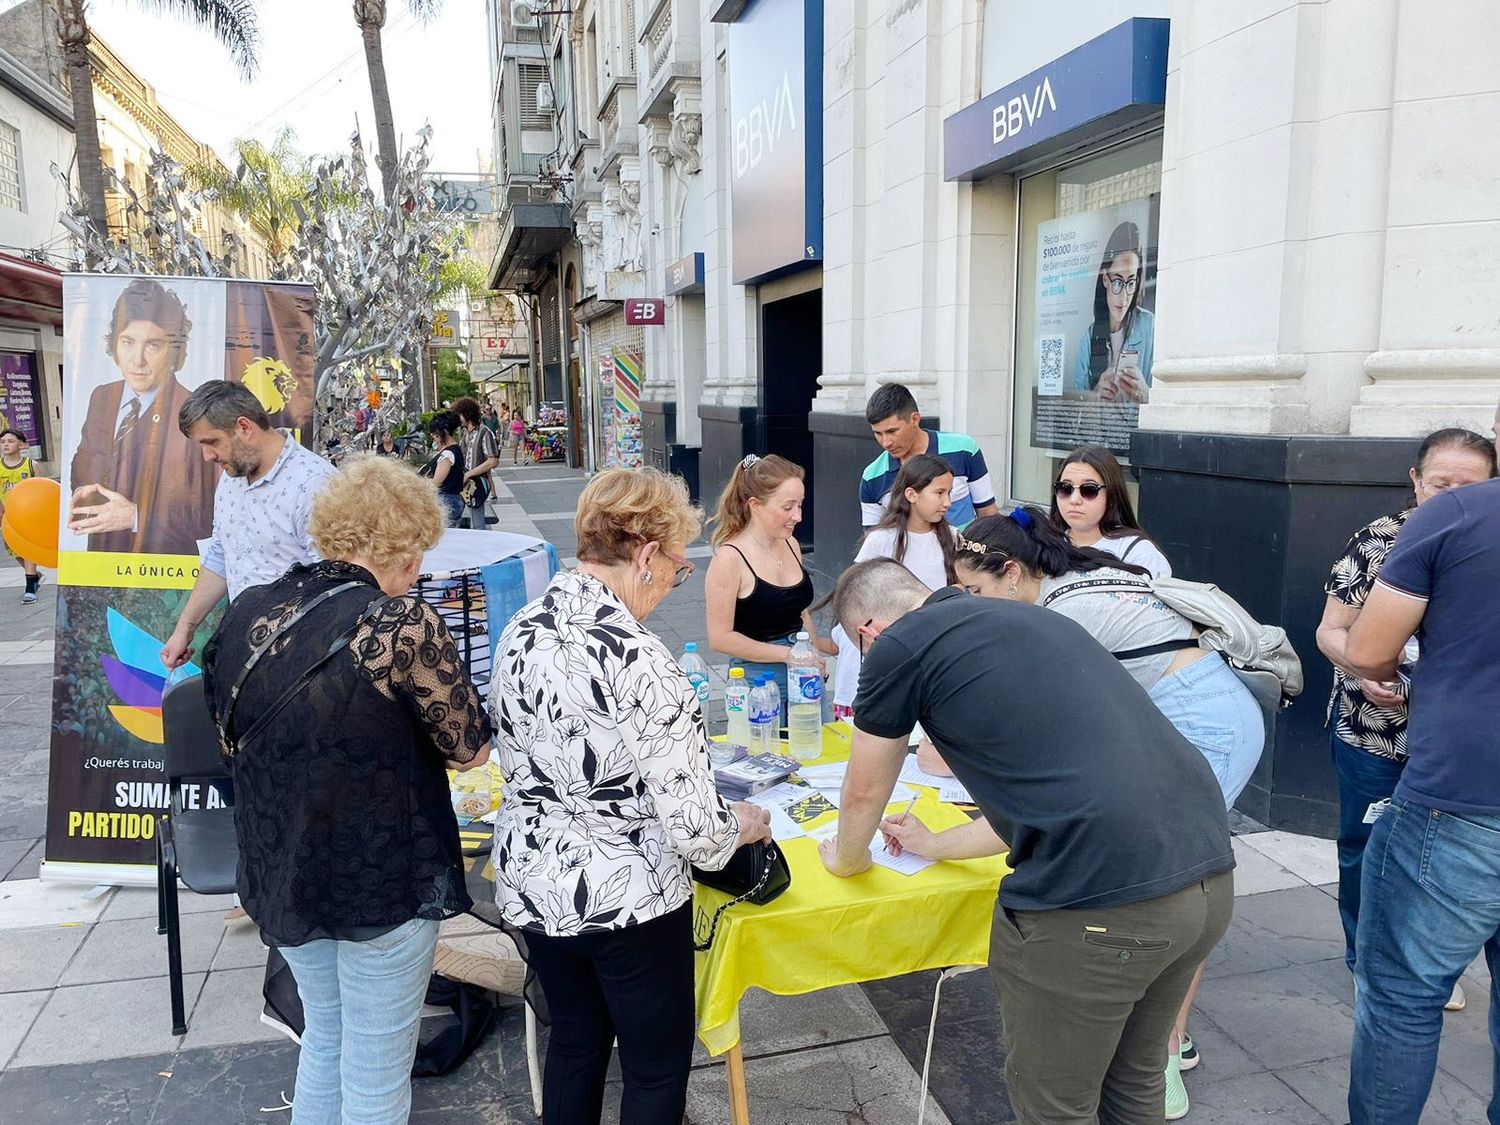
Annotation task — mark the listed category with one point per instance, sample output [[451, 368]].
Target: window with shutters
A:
[[10, 167], [531, 76]]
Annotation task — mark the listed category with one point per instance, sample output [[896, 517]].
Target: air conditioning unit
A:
[[522, 14], [546, 100]]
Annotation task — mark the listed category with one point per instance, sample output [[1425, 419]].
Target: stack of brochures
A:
[[752, 775]]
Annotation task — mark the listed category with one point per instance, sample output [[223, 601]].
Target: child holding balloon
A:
[[16, 466]]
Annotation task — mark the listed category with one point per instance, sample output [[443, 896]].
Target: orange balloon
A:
[[33, 509], [26, 549]]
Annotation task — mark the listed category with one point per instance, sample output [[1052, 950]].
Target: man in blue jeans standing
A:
[[1431, 888]]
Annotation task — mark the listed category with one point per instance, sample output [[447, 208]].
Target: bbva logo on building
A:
[[758, 132], [1021, 112]]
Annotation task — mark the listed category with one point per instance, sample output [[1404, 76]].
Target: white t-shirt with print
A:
[[1137, 549]]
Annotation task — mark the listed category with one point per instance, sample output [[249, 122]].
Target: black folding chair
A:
[[196, 845]]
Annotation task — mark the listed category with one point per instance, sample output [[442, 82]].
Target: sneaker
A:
[[28, 597], [1189, 1053], [1458, 1001], [1177, 1098]]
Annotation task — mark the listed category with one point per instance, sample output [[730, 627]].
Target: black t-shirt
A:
[[1102, 801]]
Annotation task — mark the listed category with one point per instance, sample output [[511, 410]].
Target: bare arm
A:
[[990, 509], [824, 645], [441, 469], [722, 589], [874, 765], [1378, 636], [967, 841], [1333, 638], [208, 591]]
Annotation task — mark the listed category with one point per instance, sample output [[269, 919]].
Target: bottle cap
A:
[[802, 635], [736, 673], [691, 646]]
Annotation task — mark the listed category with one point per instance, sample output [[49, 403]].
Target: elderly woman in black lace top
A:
[[342, 701]]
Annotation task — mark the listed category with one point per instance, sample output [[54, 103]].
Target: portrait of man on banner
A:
[[135, 483]]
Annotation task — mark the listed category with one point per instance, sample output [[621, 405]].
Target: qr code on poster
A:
[[1049, 371]]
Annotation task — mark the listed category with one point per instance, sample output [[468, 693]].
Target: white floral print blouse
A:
[[609, 793]]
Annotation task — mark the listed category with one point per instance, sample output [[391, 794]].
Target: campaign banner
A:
[[136, 513], [1095, 328], [19, 396]]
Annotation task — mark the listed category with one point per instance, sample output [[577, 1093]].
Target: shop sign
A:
[[444, 332], [646, 310], [685, 275], [20, 395], [776, 136], [1109, 83]]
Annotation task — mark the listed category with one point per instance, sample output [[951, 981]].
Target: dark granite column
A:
[[662, 449], [729, 432]]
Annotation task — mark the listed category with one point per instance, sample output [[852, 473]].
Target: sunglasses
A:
[[1088, 490]]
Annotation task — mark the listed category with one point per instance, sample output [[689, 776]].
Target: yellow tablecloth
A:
[[826, 931]]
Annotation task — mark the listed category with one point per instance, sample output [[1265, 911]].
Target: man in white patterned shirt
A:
[[261, 506]]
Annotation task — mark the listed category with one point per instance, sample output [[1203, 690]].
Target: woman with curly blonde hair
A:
[[341, 702], [609, 798]]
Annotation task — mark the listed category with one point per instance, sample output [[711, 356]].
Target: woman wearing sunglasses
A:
[[1090, 505], [609, 798], [1022, 557]]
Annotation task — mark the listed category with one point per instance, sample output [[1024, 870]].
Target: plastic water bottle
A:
[[696, 671], [737, 708], [765, 715], [804, 705], [773, 691]]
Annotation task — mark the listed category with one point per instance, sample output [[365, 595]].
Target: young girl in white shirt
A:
[[916, 533]]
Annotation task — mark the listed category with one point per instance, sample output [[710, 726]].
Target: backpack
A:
[[1261, 655]]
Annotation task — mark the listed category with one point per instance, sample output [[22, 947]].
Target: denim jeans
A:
[[1364, 779], [362, 1007], [1430, 903], [453, 508], [754, 668], [1214, 711]]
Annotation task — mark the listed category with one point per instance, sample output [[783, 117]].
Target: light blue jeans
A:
[[1214, 711], [361, 1009]]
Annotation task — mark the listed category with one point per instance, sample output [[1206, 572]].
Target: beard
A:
[[242, 461]]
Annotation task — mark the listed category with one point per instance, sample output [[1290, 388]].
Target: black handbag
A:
[[756, 873]]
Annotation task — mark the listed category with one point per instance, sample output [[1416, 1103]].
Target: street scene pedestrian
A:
[[965, 486]]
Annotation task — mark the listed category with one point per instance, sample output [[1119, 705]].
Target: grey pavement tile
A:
[[131, 948], [140, 902], [17, 1011], [968, 1067], [491, 1114], [1466, 1054], [113, 1092], [1220, 1056], [12, 852], [89, 1022], [1283, 1017], [1242, 951], [1331, 890], [228, 1085], [23, 817], [869, 1082], [1302, 924], [906, 1001], [775, 1024], [1256, 874], [228, 1011], [1255, 1097], [241, 948], [494, 1074], [33, 959], [1325, 1086]]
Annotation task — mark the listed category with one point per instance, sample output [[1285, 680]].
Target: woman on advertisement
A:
[[1114, 356]]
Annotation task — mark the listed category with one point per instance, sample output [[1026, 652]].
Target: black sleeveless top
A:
[[453, 483], [769, 612]]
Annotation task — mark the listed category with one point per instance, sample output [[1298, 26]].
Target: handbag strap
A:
[[227, 737], [760, 885]]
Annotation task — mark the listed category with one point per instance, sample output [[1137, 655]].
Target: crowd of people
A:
[[1032, 654]]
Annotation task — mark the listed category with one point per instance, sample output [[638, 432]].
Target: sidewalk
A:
[[85, 1033]]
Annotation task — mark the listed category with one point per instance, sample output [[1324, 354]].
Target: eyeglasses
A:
[[684, 569], [1118, 285], [858, 633], [1088, 489]]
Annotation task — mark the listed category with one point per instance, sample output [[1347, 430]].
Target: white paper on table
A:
[[783, 827], [824, 777], [949, 789], [907, 863], [824, 831]]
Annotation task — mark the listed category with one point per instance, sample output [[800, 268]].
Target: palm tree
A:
[[233, 23], [370, 16], [265, 190]]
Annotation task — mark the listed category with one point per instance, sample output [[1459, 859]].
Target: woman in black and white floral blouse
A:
[[609, 798], [1369, 718]]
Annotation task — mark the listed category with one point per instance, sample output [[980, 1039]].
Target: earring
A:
[[1012, 589], [647, 578]]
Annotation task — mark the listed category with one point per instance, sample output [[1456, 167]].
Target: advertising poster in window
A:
[[137, 510], [19, 398], [1095, 328]]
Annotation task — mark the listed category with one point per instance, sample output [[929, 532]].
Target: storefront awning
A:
[[30, 291], [533, 233], [1113, 82]]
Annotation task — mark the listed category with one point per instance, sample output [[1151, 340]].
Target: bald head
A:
[[876, 590]]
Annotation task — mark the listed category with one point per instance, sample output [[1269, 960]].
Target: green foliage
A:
[[453, 375], [268, 190]]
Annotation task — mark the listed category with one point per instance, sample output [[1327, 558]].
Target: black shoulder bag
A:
[[229, 741], [756, 873]]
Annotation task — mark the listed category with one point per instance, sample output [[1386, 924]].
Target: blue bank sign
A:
[[1108, 84], [776, 136]]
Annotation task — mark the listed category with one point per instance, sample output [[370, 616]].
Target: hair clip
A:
[[972, 545], [1021, 516], [750, 459]]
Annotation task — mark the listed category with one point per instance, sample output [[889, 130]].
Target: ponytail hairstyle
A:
[[1026, 537], [916, 472], [1453, 438], [754, 478]]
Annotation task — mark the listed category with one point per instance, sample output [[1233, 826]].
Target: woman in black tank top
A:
[[758, 590]]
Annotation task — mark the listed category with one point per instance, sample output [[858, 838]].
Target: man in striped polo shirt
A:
[[893, 416]]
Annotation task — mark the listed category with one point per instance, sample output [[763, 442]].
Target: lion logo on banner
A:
[[271, 381]]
